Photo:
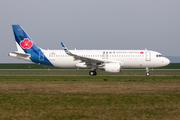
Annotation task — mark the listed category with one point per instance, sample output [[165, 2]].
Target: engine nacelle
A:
[[112, 67]]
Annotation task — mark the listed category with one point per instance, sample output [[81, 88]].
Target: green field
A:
[[89, 97]]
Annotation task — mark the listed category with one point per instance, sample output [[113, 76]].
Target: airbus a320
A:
[[109, 60]]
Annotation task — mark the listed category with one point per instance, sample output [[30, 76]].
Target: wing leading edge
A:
[[88, 61]]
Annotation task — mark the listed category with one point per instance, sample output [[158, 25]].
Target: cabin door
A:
[[105, 55], [148, 56]]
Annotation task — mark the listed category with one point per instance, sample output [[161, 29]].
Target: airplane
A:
[[109, 60]]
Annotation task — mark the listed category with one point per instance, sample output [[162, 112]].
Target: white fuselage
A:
[[127, 58]]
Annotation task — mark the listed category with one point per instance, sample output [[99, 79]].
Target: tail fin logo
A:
[[26, 43]]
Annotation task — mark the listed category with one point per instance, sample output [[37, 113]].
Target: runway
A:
[[85, 72]]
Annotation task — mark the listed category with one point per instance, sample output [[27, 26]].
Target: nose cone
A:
[[166, 61]]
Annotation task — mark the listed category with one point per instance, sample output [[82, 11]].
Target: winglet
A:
[[65, 48]]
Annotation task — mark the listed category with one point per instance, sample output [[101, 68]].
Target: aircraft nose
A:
[[166, 61]]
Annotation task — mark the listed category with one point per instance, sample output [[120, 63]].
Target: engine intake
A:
[[112, 67]]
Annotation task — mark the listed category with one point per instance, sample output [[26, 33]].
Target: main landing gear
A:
[[147, 71], [92, 73]]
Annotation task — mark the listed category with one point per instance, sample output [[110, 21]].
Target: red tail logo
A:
[[26, 43]]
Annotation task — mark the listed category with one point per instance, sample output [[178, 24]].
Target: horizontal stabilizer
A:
[[18, 55]]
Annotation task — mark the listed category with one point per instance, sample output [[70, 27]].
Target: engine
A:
[[112, 67]]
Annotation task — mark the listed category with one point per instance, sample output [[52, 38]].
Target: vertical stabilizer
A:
[[24, 42], [27, 46]]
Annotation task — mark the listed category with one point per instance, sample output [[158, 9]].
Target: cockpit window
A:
[[159, 55]]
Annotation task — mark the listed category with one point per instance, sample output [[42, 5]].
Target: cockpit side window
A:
[[159, 55]]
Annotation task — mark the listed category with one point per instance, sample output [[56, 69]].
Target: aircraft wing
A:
[[87, 60]]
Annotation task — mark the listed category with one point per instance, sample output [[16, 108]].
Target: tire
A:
[[95, 73], [92, 73], [147, 74]]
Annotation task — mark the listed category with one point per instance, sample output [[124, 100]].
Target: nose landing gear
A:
[[147, 71]]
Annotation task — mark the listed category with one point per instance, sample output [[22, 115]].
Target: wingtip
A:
[[62, 44]]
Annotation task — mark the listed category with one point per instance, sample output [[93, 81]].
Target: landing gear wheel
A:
[[95, 73], [92, 73], [147, 74]]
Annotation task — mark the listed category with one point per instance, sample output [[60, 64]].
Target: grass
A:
[[87, 97], [171, 66]]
